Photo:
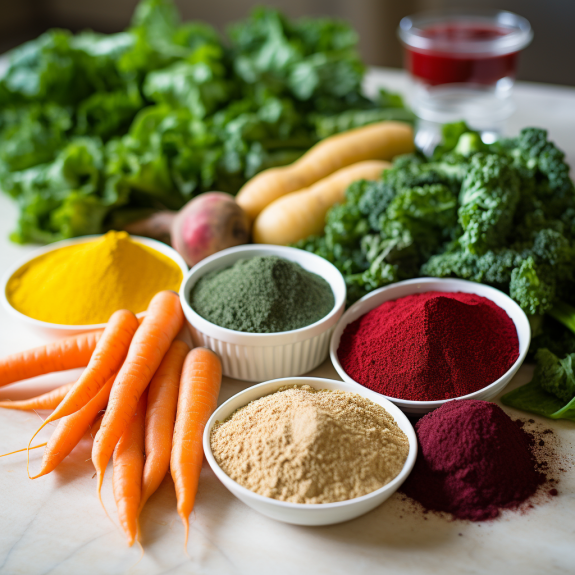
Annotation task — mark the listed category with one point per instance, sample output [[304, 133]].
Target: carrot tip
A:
[[186, 523]]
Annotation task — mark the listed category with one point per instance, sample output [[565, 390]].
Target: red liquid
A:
[[456, 66]]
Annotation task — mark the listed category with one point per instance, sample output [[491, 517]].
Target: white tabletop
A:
[[55, 525]]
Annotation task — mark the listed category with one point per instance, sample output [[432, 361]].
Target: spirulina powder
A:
[[265, 294]]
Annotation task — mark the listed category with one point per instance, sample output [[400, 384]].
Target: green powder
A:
[[265, 294]]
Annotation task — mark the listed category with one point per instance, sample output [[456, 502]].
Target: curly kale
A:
[[488, 198], [532, 288], [500, 214]]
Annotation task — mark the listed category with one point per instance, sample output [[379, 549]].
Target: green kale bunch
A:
[[97, 130], [500, 214]]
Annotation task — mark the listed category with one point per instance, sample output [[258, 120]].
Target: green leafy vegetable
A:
[[551, 392], [500, 214], [173, 111]]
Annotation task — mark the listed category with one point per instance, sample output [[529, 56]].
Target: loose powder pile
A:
[[265, 294], [430, 346], [308, 446], [473, 461]]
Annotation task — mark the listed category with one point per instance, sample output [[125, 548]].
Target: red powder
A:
[[430, 346], [473, 461]]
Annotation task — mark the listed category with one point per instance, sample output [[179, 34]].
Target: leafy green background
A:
[[98, 130]]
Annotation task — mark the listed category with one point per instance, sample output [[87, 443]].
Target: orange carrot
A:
[[96, 425], [71, 429], [160, 418], [162, 323], [128, 466], [58, 356], [198, 398], [105, 361], [49, 400], [24, 449]]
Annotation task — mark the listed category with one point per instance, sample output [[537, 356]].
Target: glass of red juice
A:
[[463, 65]]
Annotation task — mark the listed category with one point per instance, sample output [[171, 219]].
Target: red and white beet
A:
[[205, 225]]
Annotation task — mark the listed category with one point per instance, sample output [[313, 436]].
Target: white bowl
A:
[[61, 330], [302, 513], [420, 285], [263, 356]]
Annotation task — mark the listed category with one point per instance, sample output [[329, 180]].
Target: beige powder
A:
[[308, 446]]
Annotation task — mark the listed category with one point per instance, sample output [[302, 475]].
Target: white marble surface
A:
[[55, 525]]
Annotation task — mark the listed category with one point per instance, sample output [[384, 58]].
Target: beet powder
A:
[[473, 461], [430, 346]]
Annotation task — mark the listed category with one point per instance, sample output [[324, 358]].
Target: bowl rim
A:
[[410, 403], [265, 339], [161, 247], [392, 409]]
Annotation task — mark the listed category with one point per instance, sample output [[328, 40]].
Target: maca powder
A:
[[430, 346], [310, 446]]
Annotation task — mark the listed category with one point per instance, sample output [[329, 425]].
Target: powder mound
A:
[[308, 446], [430, 346], [86, 283], [473, 461], [265, 294]]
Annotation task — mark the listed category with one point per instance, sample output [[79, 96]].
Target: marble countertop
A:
[[55, 525]]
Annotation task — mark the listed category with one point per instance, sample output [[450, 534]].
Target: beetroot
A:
[[473, 461], [205, 225]]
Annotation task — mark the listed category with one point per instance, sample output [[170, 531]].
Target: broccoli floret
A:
[[556, 375], [488, 198], [532, 288]]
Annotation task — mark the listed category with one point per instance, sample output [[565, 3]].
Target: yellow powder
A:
[[84, 284]]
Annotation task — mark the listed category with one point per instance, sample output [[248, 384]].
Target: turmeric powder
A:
[[85, 283]]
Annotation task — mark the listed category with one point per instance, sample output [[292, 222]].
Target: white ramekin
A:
[[263, 356], [56, 330], [302, 513], [421, 285]]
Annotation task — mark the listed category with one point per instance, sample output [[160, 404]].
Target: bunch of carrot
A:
[[157, 396]]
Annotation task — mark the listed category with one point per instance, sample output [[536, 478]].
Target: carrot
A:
[[71, 429], [128, 466], [49, 400], [106, 360], [197, 400], [378, 141], [162, 323], [93, 430], [65, 354], [96, 425], [301, 214], [160, 418], [24, 449]]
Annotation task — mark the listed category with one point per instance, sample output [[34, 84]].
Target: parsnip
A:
[[300, 214], [379, 141]]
